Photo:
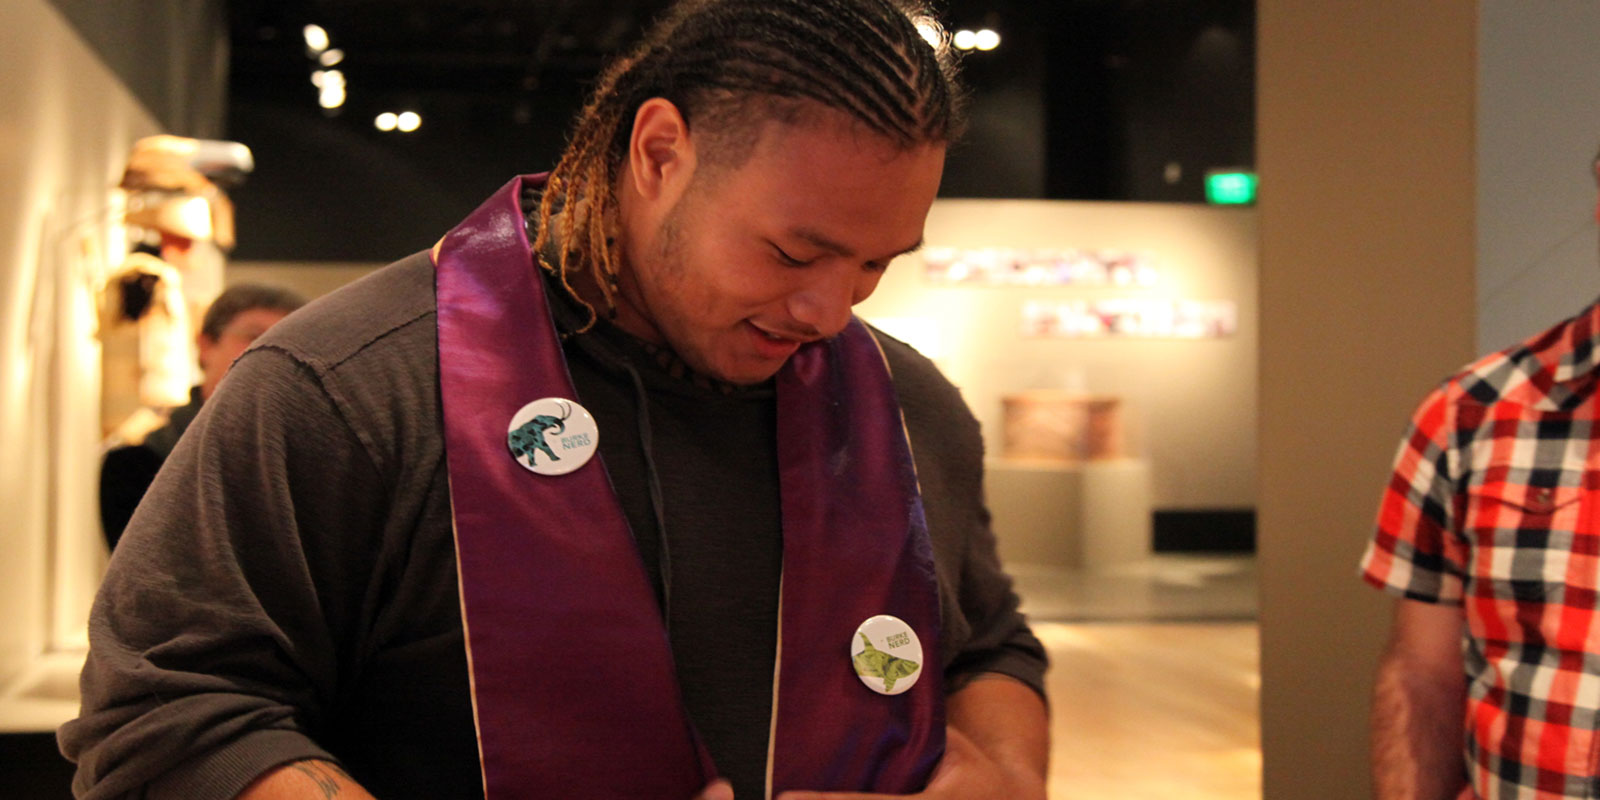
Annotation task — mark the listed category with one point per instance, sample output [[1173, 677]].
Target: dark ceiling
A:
[[461, 51], [1085, 99]]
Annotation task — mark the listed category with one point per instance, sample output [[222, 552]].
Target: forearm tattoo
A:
[[325, 776]]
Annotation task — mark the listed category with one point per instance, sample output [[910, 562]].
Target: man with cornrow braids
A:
[[752, 559]]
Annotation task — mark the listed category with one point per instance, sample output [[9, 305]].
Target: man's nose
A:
[[824, 303]]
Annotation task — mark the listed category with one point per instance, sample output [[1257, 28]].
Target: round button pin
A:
[[887, 654], [552, 436]]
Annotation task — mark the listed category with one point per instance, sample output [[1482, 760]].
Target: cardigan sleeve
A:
[[984, 630], [215, 638]]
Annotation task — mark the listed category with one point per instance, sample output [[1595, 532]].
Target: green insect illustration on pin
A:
[[875, 663]]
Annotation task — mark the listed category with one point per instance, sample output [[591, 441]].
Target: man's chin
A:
[[734, 365], [747, 377], [743, 374]]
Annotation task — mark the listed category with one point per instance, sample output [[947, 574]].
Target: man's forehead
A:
[[836, 247], [254, 319], [835, 187]]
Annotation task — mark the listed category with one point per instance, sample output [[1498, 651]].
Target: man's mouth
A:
[[776, 343], [785, 336]]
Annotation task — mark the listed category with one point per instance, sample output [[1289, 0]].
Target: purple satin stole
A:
[[573, 683]]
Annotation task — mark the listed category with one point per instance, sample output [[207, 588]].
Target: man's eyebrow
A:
[[841, 250]]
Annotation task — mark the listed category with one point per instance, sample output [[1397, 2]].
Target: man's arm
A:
[[1006, 723], [305, 780], [214, 639], [998, 745], [1418, 705]]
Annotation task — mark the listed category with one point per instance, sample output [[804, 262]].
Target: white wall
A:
[[312, 280], [1190, 405], [66, 129], [1538, 130]]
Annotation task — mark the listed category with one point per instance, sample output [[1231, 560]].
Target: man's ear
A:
[[204, 347], [660, 156]]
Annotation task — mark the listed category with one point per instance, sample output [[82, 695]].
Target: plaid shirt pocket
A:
[[1522, 539]]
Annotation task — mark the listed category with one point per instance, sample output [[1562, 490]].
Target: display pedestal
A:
[[1092, 514], [1115, 512], [1035, 509]]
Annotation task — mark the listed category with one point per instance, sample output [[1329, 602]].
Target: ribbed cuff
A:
[[1025, 669], [225, 772]]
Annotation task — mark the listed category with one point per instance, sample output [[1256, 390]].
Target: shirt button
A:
[[1543, 496]]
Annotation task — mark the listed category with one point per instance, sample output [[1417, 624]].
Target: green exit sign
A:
[[1230, 187]]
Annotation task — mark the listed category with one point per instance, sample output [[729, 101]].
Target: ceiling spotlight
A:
[[330, 57], [330, 85], [965, 39], [408, 121], [316, 38], [387, 121], [331, 96], [986, 39]]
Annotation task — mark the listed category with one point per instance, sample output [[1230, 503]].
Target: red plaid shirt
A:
[[1492, 507]]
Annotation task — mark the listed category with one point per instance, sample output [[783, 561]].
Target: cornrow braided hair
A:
[[885, 63]]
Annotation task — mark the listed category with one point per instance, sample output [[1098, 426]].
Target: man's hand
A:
[[718, 790], [965, 773], [997, 745], [1418, 706]]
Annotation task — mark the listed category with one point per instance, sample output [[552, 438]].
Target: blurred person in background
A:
[[235, 319]]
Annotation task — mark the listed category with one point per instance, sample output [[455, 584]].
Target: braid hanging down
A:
[[885, 63]]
